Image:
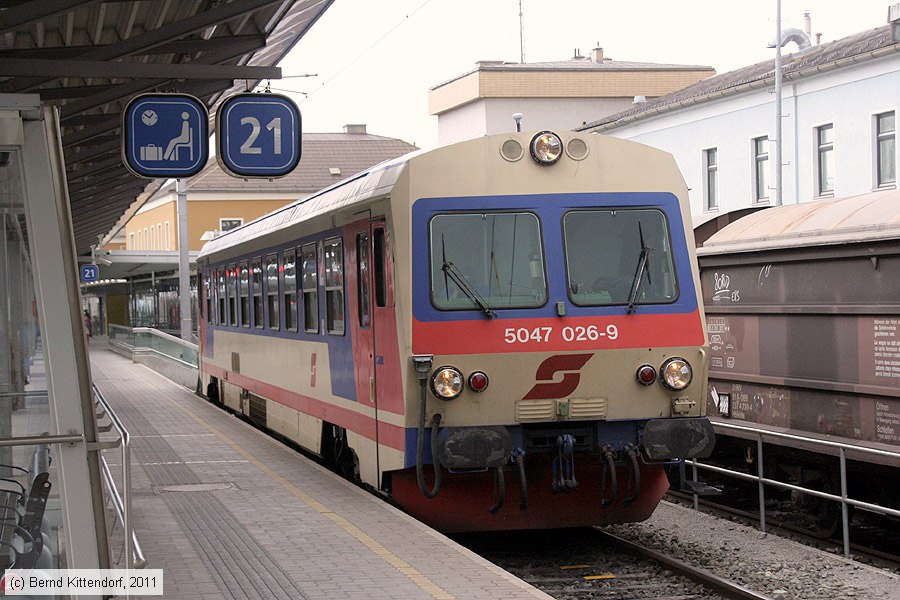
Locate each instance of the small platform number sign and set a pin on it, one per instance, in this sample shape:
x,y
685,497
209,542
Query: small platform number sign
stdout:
x,y
165,135
89,273
258,135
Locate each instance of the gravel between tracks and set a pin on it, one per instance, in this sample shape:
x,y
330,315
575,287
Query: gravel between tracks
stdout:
x,y
766,563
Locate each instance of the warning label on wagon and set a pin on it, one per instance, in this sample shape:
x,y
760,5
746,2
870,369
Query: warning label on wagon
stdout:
x,y
887,348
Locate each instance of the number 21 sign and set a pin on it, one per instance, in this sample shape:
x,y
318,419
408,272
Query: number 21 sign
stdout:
x,y
258,135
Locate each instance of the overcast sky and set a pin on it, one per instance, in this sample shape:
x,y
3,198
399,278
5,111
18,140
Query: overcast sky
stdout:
x,y
376,60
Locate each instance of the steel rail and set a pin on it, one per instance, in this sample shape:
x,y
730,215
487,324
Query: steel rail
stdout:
x,y
698,574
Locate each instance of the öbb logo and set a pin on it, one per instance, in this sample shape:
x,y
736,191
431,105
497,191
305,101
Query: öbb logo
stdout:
x,y
568,365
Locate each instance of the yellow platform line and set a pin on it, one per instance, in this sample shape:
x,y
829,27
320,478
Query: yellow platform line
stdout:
x,y
365,539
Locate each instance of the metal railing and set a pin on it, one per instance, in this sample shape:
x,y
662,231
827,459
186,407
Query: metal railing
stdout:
x,y
845,501
143,340
121,502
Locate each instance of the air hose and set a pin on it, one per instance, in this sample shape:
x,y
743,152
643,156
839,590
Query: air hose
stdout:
x,y
420,448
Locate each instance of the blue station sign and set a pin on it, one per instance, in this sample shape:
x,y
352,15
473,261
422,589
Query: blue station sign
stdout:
x,y
258,135
89,273
165,135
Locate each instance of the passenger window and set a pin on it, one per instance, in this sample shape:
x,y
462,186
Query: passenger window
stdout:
x,y
232,295
244,283
290,290
334,286
222,318
272,290
207,293
256,280
362,277
379,268
310,284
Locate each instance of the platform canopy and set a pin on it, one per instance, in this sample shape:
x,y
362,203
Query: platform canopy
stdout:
x,y
90,57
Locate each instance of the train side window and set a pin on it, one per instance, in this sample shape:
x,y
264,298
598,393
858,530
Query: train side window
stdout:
x,y
257,291
379,268
232,295
362,278
272,290
207,293
222,297
334,286
244,284
290,290
310,284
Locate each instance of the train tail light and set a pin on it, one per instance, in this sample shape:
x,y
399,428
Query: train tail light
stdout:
x,y
478,381
646,375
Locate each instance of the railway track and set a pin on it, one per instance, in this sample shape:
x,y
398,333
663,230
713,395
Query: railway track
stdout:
x,y
590,563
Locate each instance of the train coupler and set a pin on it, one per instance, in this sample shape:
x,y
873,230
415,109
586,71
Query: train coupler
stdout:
x,y
607,465
633,485
563,466
518,456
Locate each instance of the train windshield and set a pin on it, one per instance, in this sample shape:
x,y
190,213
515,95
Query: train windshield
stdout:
x,y
487,261
619,257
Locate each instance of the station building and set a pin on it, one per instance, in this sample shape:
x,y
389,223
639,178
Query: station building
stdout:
x,y
839,133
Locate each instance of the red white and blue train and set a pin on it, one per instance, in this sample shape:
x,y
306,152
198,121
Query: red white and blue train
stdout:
x,y
505,333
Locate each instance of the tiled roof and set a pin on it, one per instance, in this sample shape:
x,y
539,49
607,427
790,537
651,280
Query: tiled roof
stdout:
x,y
321,152
818,58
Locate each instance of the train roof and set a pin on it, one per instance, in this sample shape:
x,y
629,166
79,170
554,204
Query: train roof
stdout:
x,y
374,182
864,218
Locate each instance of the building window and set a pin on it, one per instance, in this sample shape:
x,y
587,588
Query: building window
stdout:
x,y
761,169
257,290
229,224
272,290
140,240
245,294
310,283
290,290
886,153
334,286
159,245
146,243
152,238
711,180
825,159
168,243
131,245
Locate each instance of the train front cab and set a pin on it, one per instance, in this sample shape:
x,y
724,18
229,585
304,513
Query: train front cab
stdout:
x,y
559,348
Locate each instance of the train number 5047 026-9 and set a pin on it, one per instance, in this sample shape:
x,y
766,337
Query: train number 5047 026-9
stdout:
x,y
578,333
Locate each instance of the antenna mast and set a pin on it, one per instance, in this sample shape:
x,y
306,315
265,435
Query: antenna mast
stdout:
x,y
521,33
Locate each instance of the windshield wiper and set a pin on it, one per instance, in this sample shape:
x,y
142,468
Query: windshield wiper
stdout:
x,y
643,262
450,270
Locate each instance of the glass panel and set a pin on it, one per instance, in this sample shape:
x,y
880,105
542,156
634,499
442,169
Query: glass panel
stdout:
x,y
245,294
887,158
232,295
499,256
257,288
362,278
24,404
290,290
380,269
310,289
334,286
603,250
221,317
272,291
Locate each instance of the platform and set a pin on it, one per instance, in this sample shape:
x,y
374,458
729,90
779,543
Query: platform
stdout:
x,y
228,512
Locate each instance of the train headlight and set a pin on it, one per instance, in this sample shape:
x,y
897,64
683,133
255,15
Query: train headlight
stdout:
x,y
676,374
546,148
447,383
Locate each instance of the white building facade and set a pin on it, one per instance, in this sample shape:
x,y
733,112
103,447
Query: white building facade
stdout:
x,y
839,107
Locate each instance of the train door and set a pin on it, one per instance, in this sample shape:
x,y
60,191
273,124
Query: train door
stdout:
x,y
378,369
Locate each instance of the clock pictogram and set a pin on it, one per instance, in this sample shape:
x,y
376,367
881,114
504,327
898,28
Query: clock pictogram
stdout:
x,y
149,117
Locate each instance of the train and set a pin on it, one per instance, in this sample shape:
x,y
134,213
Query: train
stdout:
x,y
504,333
803,313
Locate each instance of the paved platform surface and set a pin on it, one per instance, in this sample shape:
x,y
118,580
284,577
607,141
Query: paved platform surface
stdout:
x,y
228,512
